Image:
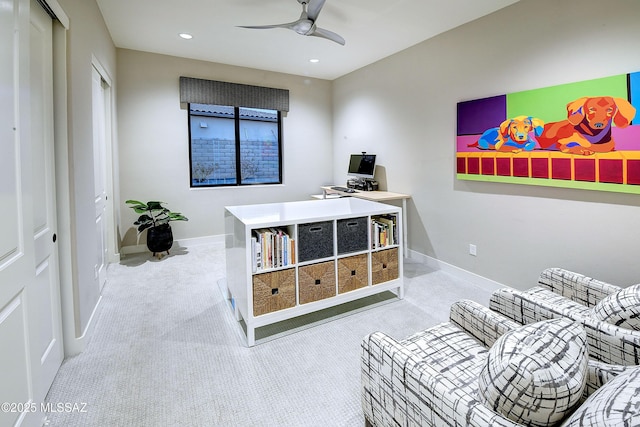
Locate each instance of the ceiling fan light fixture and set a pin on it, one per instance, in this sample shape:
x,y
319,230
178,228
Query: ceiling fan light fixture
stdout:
x,y
303,27
186,36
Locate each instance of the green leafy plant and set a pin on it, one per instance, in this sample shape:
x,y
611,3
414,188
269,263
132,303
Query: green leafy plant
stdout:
x,y
153,214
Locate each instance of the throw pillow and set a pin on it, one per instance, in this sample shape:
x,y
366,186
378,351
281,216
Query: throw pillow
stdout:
x,y
621,309
535,375
617,403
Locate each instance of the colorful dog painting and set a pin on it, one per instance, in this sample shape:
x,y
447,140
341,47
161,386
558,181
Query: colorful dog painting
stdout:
x,y
581,135
512,135
587,129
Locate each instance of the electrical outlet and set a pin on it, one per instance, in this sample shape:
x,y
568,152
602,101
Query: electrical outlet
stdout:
x,y
472,250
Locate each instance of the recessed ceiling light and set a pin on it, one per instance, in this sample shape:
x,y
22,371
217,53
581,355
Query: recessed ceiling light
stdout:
x,y
314,60
186,36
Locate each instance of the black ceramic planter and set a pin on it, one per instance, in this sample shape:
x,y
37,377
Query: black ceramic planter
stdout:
x,y
160,238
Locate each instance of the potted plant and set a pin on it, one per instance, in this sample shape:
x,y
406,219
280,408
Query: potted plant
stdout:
x,y
155,219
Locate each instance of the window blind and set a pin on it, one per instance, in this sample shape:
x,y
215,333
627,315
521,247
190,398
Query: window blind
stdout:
x,y
201,91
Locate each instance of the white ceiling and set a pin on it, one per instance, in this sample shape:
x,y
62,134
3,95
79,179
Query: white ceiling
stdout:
x,y
373,29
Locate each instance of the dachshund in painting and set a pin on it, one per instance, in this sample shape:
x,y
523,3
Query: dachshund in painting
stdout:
x,y
512,135
587,129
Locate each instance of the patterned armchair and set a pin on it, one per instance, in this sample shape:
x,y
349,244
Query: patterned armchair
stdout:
x,y
563,293
432,377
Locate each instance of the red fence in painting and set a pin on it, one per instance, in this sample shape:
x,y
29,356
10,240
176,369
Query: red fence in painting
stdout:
x,y
618,167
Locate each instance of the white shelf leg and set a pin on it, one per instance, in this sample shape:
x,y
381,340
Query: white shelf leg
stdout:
x,y
404,228
251,336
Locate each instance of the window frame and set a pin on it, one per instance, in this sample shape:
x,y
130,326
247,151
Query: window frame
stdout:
x,y
238,155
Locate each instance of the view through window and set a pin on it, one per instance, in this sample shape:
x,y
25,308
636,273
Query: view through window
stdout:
x,y
234,145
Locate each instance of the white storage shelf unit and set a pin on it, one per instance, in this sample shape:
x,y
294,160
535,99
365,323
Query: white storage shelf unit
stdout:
x,y
337,265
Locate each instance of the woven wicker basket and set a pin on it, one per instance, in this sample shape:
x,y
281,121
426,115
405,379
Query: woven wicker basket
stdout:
x,y
274,291
384,266
316,282
352,273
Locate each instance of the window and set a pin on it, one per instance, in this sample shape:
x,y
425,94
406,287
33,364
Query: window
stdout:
x,y
234,145
235,132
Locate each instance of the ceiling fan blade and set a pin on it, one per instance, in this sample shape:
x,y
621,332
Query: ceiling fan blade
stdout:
x,y
330,35
313,8
260,27
288,25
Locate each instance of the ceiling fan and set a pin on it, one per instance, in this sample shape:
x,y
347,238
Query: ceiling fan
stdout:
x,y
306,24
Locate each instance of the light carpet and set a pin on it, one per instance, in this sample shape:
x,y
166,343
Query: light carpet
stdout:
x,y
167,351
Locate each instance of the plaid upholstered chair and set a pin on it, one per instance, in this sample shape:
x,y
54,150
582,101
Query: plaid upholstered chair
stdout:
x,y
454,374
610,314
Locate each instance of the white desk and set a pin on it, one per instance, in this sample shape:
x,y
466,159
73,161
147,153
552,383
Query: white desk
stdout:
x,y
377,196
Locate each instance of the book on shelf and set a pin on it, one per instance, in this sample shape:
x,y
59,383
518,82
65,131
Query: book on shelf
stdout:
x,y
384,231
272,248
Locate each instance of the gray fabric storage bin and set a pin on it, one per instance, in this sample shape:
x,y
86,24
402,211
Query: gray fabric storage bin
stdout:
x,y
315,240
352,235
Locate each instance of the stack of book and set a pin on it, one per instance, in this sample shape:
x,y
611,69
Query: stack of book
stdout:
x,y
272,248
384,231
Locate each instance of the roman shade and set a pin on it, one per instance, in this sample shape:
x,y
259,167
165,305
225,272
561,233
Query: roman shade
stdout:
x,y
201,91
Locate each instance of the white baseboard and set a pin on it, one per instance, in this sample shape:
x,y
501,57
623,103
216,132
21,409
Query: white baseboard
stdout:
x,y
480,281
215,241
75,345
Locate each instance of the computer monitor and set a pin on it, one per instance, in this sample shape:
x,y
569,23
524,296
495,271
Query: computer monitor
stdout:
x,y
362,165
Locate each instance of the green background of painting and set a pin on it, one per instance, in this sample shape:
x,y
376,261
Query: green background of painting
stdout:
x,y
560,183
550,103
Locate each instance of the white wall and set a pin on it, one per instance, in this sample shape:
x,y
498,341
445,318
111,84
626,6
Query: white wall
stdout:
x,y
87,40
154,141
403,108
